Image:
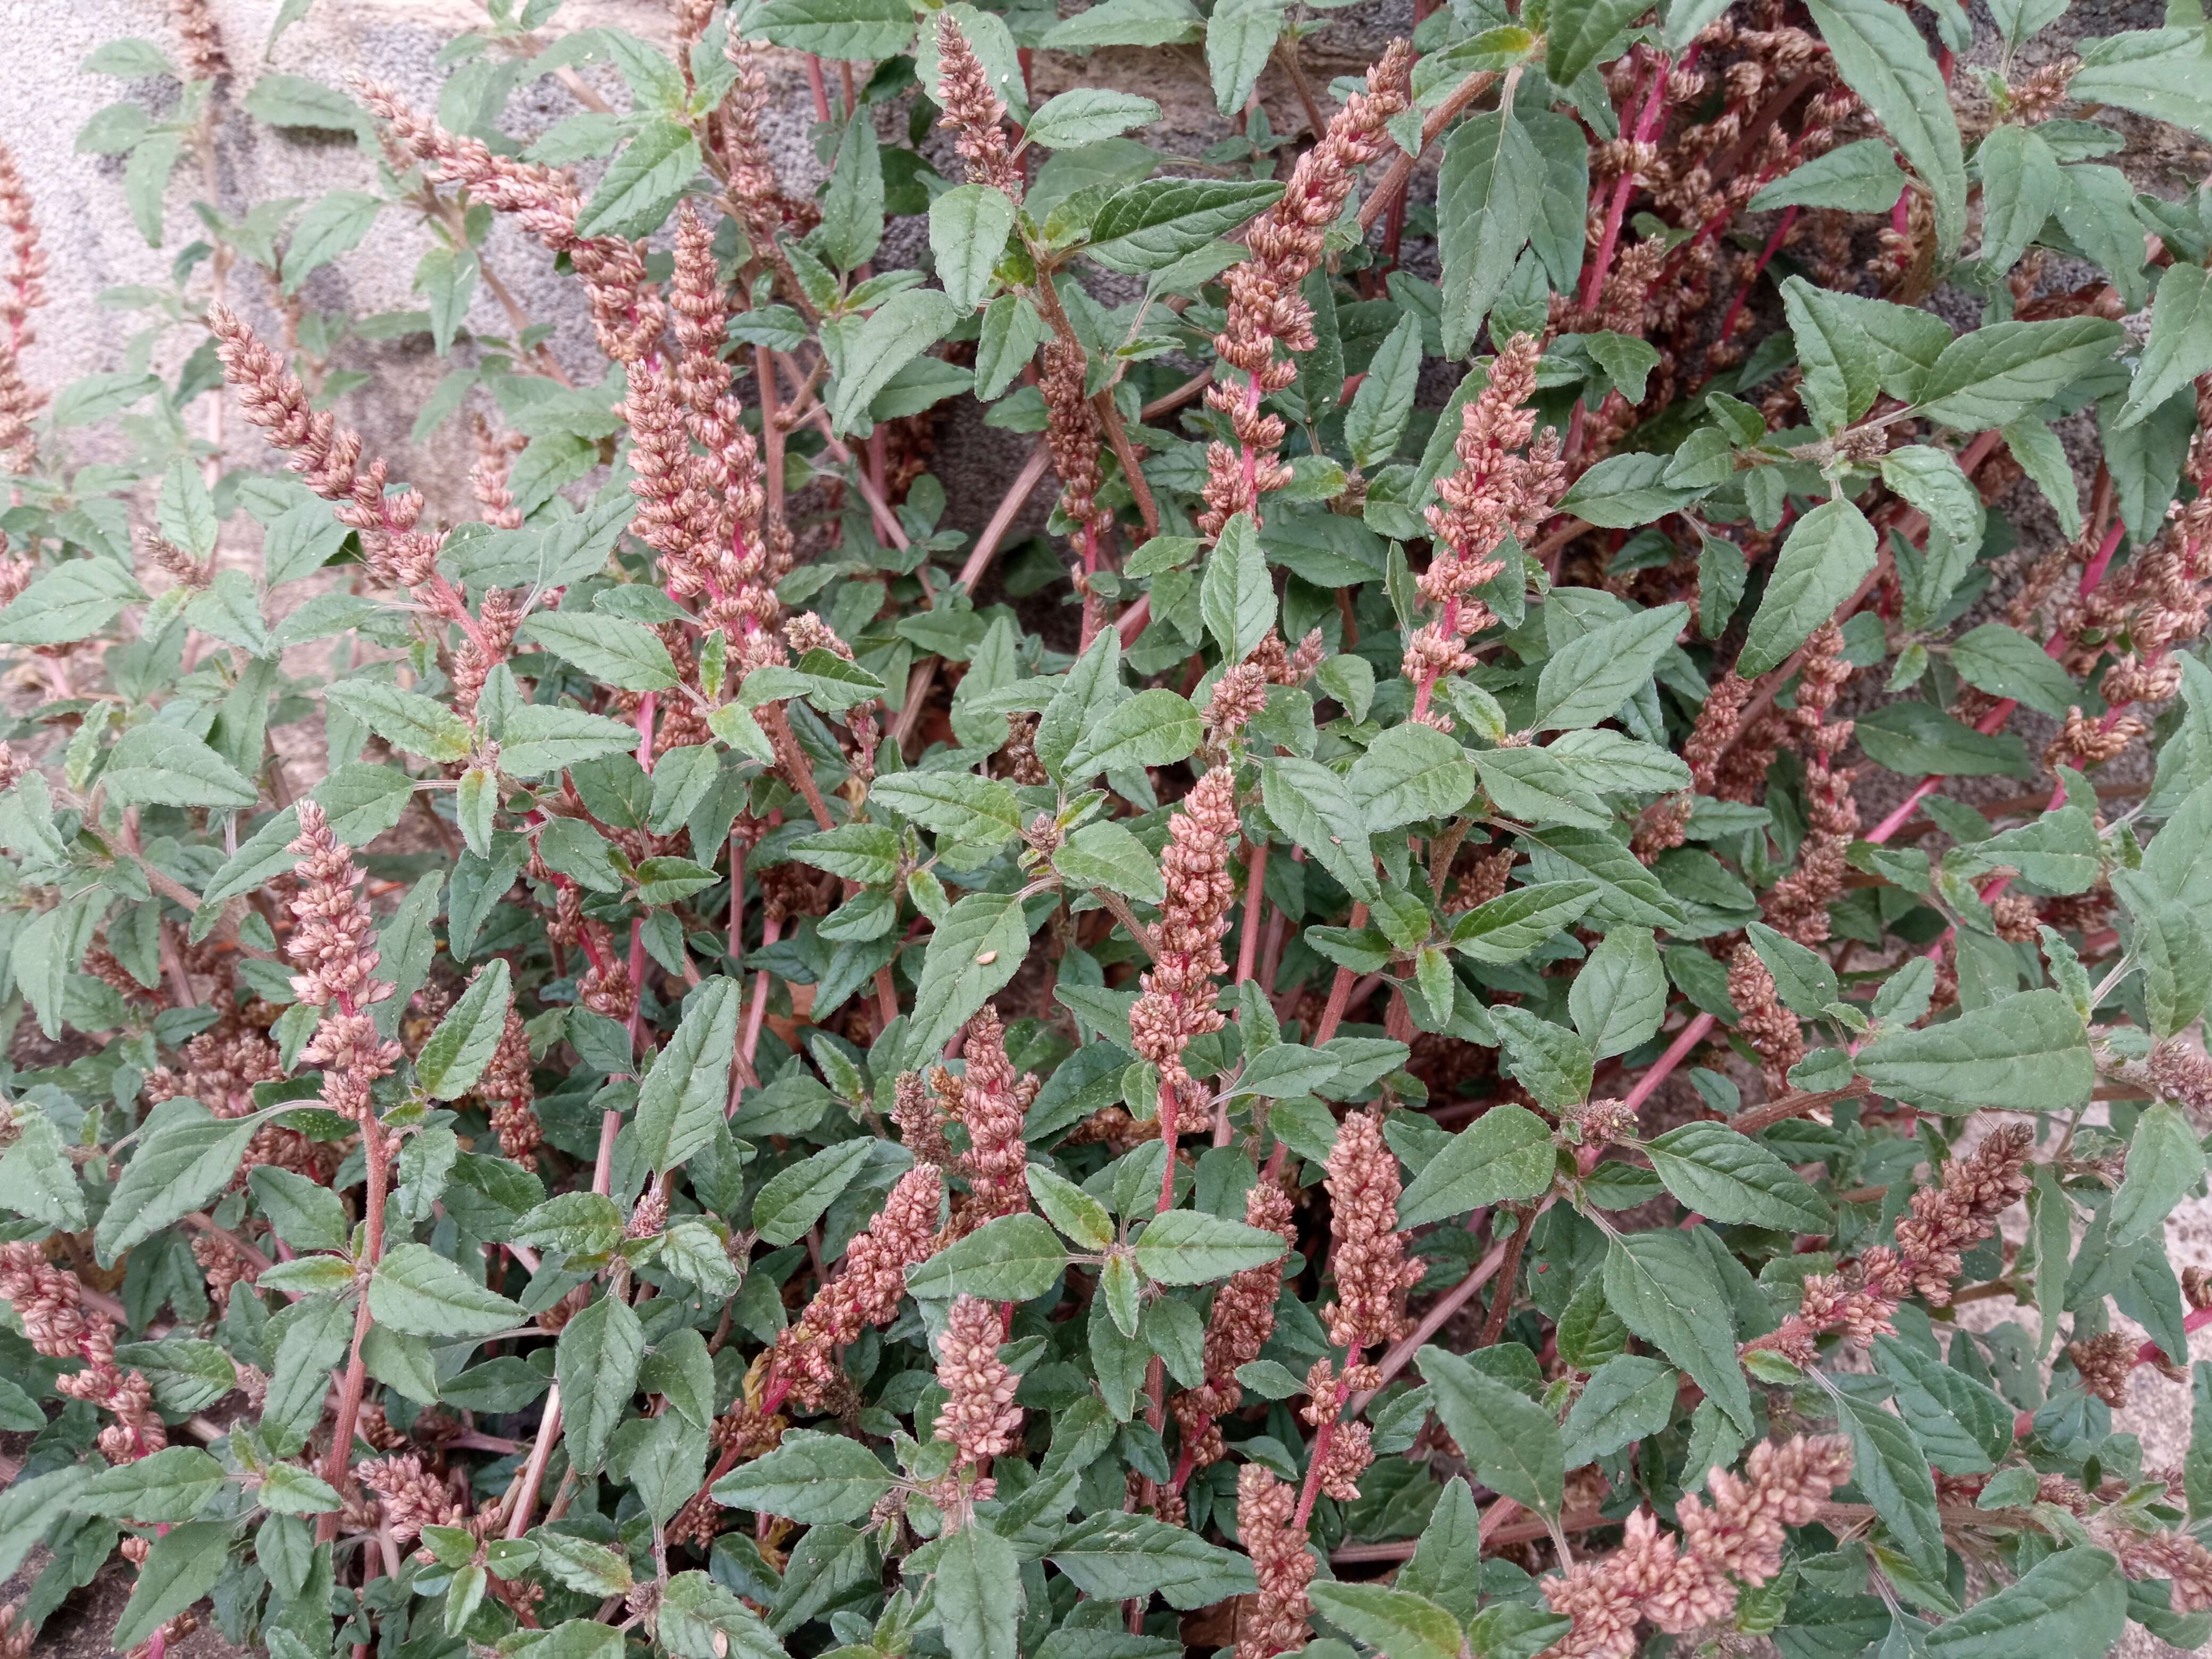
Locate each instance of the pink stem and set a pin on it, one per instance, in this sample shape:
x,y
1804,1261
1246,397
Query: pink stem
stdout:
x,y
647,707
1677,1052
1773,246
1594,280
770,930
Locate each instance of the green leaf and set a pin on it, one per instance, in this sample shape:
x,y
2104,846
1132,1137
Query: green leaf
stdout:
x,y
185,511
178,1168
417,1292
70,602
2154,72
163,765
1147,227
2005,663
852,226
1508,927
1965,1428
596,1363
1126,23
846,30
293,101
2001,373
1240,37
1411,772
288,1489
1510,1441
866,853
1235,596
620,653
967,230
1538,786
1313,807
1190,1247
1624,492
181,1567
1487,203
1803,978
793,1199
977,1581
1069,1208
174,1484
307,1215
1104,854
1858,177
2025,1054
1660,1284
1012,1259
1888,1466
1113,1557
1912,736
1828,553
1725,1176
333,226
2164,1164
957,803
1589,680
37,1180
642,184
701,1619
456,1054
2020,189
1580,34
1086,115
1628,1398
895,333
2180,345
681,1099
1091,689
972,955
1505,1154
1391,1621
1383,406
1155,727
1838,363
592,1569
1882,57
410,721
2074,1603
1620,997
363,801
1552,1062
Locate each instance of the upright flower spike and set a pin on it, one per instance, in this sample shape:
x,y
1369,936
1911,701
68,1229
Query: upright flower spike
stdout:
x,y
1264,306
979,1415
1071,433
1367,1253
330,944
1242,1321
974,111
1693,1585
1177,1003
1798,906
23,289
327,456
989,1100
1495,492
1275,1620
866,1288
626,311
